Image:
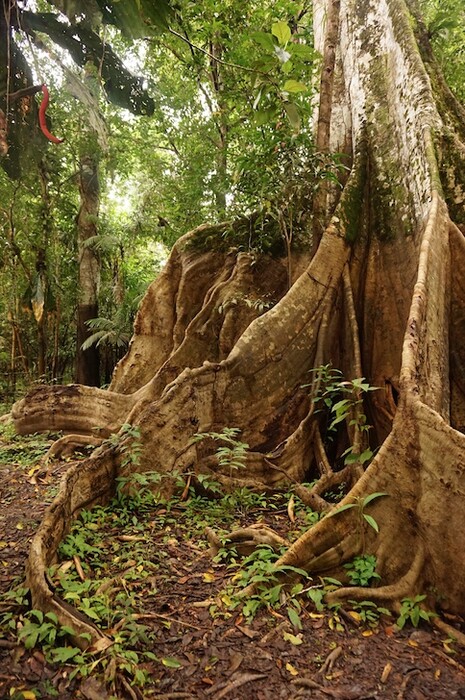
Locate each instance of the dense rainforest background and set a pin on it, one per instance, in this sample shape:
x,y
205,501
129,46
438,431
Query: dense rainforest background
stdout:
x,y
231,295
222,124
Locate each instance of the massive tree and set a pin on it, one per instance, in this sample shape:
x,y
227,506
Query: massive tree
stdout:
x,y
375,292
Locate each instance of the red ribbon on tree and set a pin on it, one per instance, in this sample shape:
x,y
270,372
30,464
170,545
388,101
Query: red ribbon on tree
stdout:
x,y
42,119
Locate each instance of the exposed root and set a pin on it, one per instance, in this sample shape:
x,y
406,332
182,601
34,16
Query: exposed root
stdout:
x,y
245,540
403,588
68,445
449,630
83,485
314,497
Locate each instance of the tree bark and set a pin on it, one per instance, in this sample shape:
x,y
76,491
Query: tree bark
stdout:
x,y
87,361
379,298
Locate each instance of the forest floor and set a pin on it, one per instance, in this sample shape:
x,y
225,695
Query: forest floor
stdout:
x,y
142,570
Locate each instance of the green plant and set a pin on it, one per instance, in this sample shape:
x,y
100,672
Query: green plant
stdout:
x,y
368,612
411,611
232,453
75,544
362,570
260,569
127,443
45,629
360,504
343,401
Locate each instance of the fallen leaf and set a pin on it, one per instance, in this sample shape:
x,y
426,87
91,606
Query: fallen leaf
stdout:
x,y
19,526
251,634
294,639
170,662
355,615
437,674
208,577
367,633
292,670
386,671
235,661
92,689
100,645
291,509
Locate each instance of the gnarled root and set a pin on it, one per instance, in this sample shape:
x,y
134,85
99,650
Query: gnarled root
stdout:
x,y
83,485
68,445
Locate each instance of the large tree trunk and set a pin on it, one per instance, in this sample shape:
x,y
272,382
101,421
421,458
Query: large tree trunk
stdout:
x,y
379,298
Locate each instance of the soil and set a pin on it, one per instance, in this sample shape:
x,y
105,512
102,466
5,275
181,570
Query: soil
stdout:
x,y
202,650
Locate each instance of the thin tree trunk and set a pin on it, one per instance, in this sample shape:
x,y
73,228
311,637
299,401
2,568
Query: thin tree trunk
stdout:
x,y
87,361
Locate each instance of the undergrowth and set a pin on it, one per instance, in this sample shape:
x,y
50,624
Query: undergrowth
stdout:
x,y
119,565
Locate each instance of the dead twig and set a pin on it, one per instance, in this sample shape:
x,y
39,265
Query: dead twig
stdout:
x,y
330,660
239,682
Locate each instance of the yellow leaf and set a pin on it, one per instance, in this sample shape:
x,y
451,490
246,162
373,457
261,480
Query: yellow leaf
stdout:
x,y
386,671
208,577
19,526
412,643
3,544
292,670
316,616
437,674
367,633
294,639
28,695
355,615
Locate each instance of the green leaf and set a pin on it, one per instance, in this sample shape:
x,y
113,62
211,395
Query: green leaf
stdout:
x,y
294,618
170,662
372,496
302,51
371,521
346,506
294,86
64,654
282,32
264,39
293,115
288,637
365,456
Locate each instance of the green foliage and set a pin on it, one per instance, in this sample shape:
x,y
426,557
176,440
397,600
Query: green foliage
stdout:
x,y
342,400
362,570
411,611
25,450
368,612
445,22
232,454
360,504
260,569
44,629
127,443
